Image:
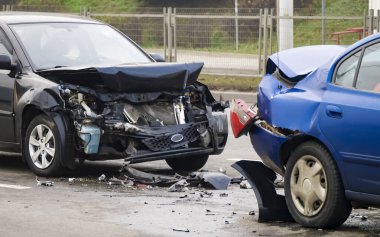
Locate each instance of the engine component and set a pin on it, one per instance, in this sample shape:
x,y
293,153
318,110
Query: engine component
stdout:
x,y
154,114
205,137
179,111
127,127
86,108
90,136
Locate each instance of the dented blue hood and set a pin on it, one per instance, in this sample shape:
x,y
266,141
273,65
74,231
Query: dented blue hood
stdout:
x,y
298,62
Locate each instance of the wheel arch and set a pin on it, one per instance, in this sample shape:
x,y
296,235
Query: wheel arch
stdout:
x,y
291,144
64,127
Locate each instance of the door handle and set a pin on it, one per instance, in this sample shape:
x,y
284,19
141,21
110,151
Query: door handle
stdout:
x,y
333,111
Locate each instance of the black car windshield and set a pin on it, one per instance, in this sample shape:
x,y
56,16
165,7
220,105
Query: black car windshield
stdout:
x,y
55,45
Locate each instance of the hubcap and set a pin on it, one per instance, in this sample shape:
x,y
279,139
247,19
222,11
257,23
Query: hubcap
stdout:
x,y
42,146
308,185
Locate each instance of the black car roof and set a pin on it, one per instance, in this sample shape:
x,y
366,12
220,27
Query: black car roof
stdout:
x,y
19,18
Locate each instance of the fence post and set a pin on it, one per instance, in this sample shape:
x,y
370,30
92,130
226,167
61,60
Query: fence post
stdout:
x,y
323,22
174,22
236,25
170,37
370,23
271,30
260,32
364,25
265,46
165,34
377,25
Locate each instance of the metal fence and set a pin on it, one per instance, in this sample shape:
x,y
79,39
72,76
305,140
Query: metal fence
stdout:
x,y
228,43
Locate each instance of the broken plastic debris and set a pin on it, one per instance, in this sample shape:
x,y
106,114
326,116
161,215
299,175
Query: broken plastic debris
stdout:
x,y
147,178
363,218
236,180
279,182
180,186
102,178
216,180
46,183
125,182
71,180
245,185
182,230
222,170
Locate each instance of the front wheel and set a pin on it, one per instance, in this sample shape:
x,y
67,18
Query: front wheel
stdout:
x,y
314,190
189,163
42,147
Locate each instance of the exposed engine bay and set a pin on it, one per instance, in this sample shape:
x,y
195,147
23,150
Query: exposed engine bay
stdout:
x,y
144,126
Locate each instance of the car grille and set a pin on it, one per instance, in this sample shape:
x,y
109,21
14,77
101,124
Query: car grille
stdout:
x,y
164,142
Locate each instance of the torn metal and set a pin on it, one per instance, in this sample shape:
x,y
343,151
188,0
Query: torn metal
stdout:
x,y
135,112
178,183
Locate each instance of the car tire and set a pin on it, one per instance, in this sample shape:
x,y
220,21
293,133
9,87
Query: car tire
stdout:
x,y
314,191
42,147
189,163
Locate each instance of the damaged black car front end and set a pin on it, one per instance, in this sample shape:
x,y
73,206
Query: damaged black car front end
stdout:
x,y
141,112
80,98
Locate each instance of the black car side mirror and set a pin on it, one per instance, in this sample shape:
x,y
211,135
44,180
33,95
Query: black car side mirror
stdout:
x,y
5,62
157,57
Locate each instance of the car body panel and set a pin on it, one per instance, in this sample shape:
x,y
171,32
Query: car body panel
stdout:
x,y
343,119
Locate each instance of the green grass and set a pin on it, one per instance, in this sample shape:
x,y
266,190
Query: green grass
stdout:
x,y
96,5
215,82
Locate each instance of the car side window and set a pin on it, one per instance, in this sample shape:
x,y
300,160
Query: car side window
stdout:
x,y
345,74
369,70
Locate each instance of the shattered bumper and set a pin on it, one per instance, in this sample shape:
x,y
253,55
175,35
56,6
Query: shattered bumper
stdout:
x,y
267,145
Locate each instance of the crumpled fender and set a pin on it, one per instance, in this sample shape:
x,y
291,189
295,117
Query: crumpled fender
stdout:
x,y
44,100
66,137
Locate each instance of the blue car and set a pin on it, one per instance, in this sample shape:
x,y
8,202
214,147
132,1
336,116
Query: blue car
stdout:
x,y
317,123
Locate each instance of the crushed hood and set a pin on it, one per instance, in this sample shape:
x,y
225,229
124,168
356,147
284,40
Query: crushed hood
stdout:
x,y
152,77
296,63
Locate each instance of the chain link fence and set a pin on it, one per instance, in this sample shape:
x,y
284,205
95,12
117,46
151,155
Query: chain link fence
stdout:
x,y
228,42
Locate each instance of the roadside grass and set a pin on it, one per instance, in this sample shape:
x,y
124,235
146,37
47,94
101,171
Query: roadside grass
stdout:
x,y
230,83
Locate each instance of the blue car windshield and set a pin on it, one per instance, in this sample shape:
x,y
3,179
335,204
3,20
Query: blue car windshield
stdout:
x,y
54,45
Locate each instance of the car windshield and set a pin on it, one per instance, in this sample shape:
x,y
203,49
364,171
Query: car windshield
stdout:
x,y
55,45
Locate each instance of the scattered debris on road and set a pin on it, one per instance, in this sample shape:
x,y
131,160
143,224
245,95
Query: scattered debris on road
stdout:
x,y
245,185
181,230
102,178
47,183
216,180
360,217
180,186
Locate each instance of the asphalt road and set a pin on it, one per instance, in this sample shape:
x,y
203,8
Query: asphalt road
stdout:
x,y
91,208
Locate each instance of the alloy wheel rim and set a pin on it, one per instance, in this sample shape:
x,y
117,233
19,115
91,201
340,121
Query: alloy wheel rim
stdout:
x,y
42,146
308,185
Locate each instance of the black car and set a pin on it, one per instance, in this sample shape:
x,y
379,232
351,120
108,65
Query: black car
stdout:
x,y
74,89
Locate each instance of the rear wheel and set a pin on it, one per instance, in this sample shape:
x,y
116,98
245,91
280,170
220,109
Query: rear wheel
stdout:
x,y
42,147
189,163
314,190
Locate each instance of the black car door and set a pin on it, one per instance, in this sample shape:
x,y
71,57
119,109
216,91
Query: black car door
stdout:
x,y
7,83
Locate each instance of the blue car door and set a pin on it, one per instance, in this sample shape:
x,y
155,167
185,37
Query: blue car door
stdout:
x,y
350,118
